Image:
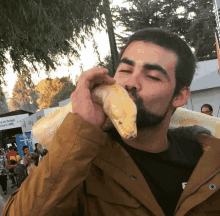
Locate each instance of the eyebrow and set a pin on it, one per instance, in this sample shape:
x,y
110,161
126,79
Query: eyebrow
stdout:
x,y
127,61
148,66
158,68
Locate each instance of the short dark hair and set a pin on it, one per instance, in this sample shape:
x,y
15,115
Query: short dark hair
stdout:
x,y
186,60
207,105
12,162
10,148
24,147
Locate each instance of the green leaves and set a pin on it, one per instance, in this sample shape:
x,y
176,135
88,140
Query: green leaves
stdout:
x,y
193,20
38,31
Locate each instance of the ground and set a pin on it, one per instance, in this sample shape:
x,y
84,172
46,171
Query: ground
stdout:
x,y
3,198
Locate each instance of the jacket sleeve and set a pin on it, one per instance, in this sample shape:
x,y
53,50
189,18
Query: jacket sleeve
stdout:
x,y
54,187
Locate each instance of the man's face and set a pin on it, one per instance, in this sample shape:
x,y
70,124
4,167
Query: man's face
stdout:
x,y
147,72
206,111
26,151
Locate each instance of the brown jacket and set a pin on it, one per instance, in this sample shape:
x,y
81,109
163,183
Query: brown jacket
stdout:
x,y
86,173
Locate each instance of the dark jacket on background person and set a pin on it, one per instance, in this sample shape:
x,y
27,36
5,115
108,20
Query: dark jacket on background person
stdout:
x,y
87,173
20,172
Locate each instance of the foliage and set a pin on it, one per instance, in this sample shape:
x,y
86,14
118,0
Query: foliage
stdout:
x,y
106,63
64,93
36,31
192,20
47,89
52,91
3,102
23,97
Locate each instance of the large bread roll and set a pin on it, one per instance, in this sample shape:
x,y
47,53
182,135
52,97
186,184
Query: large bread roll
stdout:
x,y
116,102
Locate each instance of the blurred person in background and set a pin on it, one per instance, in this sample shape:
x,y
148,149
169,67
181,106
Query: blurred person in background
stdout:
x,y
18,157
29,159
207,109
11,155
20,171
36,151
3,171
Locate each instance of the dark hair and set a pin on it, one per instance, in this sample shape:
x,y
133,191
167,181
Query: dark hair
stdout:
x,y
10,148
24,147
12,162
186,61
207,105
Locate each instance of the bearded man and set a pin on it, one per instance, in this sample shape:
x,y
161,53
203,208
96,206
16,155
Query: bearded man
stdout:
x,y
91,170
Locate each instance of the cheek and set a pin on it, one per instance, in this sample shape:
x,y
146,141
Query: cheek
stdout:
x,y
120,79
158,101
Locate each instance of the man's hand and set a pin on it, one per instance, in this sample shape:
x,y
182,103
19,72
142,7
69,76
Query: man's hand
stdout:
x,y
82,103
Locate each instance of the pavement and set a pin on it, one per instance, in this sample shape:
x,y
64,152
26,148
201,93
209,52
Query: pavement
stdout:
x,y
3,198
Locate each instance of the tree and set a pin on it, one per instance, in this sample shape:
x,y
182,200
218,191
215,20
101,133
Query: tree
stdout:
x,y
38,31
64,93
111,35
23,97
194,21
201,31
47,89
107,63
3,102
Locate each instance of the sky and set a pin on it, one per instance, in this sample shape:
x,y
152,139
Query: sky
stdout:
x,y
88,60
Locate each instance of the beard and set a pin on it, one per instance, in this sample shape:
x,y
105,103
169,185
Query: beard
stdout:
x,y
145,118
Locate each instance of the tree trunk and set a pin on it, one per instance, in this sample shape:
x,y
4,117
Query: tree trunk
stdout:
x,y
114,52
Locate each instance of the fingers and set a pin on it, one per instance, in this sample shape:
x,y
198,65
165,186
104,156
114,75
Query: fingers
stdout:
x,y
109,80
93,77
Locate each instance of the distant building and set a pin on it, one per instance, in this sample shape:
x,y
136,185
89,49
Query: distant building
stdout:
x,y
205,87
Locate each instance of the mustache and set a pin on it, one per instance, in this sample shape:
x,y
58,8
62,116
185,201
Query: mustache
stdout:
x,y
136,96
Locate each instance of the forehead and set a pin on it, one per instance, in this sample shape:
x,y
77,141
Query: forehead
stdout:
x,y
205,108
152,53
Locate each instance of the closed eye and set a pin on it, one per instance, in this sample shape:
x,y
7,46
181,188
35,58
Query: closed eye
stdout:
x,y
126,71
154,78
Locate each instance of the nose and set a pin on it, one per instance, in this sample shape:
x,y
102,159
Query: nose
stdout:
x,y
136,87
133,84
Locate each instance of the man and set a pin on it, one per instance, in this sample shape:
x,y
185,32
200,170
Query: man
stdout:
x,y
3,171
18,157
26,158
19,171
207,109
11,155
29,159
91,172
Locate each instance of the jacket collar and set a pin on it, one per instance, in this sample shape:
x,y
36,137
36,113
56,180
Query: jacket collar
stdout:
x,y
207,167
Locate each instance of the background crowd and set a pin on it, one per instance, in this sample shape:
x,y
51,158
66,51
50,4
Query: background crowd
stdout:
x,y
17,168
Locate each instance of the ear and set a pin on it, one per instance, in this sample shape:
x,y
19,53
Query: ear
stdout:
x,y
182,98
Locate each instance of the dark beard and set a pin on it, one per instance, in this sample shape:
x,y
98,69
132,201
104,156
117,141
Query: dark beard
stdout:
x,y
146,119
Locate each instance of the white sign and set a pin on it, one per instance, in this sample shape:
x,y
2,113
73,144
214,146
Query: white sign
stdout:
x,y
11,121
28,122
